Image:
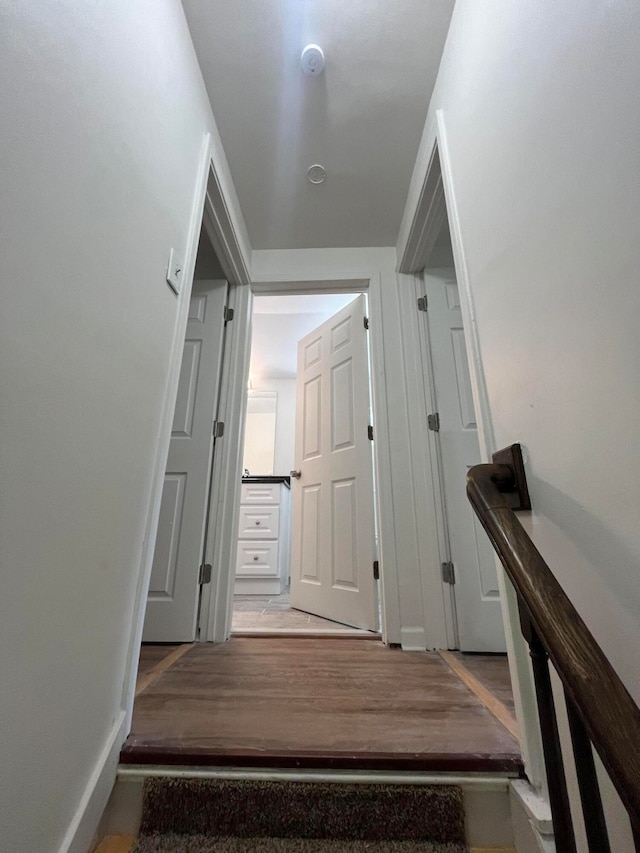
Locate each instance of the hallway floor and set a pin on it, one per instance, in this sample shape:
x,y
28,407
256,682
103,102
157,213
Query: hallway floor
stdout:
x,y
307,702
274,614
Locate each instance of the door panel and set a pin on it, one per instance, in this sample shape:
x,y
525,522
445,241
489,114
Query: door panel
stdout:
x,y
332,514
479,617
173,591
165,555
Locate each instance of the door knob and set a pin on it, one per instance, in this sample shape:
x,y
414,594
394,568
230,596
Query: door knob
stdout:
x,y
296,474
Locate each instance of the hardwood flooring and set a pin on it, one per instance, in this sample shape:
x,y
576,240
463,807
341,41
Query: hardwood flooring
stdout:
x,y
316,703
493,672
486,696
154,667
152,654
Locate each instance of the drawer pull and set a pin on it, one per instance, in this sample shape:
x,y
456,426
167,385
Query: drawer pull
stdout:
x,y
256,558
257,522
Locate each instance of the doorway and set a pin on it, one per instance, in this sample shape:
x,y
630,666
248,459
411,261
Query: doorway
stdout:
x,y
178,570
306,534
468,561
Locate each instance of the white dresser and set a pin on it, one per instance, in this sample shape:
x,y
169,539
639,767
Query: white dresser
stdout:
x,y
262,563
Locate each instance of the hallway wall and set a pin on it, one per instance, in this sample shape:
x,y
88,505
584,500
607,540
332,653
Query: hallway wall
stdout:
x,y
541,110
285,420
104,114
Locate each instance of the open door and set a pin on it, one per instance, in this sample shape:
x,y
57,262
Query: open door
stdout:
x,y
333,529
173,592
479,617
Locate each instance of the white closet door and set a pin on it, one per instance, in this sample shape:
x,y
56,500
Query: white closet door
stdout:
x,y
477,598
173,592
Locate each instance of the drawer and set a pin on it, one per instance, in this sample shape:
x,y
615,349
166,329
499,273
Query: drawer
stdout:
x,y
267,494
259,522
257,559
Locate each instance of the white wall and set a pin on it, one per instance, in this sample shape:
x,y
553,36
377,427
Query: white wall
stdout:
x,y
285,421
274,342
542,116
104,115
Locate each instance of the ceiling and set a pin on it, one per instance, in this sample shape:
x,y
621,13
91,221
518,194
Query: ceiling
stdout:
x,y
362,119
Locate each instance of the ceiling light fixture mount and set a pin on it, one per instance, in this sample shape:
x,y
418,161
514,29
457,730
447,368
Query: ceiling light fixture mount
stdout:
x,y
316,174
312,60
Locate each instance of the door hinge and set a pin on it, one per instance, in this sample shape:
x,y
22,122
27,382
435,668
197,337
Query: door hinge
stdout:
x,y
423,303
218,429
376,570
228,314
433,422
370,432
205,573
366,322
448,573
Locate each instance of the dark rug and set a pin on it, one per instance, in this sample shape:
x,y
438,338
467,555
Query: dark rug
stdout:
x,y
301,810
202,844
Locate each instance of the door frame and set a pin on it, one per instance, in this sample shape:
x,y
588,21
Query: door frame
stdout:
x,y
216,614
215,207
431,199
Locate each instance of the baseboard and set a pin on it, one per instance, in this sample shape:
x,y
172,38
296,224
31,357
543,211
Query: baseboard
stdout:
x,y
413,639
531,819
81,831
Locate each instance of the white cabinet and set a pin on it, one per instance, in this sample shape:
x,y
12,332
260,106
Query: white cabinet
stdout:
x,y
262,563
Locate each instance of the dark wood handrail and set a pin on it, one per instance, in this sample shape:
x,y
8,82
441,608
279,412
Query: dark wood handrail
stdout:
x,y
608,713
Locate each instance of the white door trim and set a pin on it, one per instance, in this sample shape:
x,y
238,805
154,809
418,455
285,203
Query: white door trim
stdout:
x,y
224,217
220,599
431,197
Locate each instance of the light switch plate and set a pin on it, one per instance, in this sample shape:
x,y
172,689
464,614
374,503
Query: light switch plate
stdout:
x,y
174,272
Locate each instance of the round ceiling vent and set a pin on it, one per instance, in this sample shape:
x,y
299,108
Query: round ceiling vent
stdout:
x,y
312,60
316,174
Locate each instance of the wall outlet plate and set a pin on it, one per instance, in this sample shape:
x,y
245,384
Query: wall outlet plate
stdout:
x,y
175,269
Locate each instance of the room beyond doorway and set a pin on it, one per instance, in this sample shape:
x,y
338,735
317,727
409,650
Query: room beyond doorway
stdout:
x,y
307,535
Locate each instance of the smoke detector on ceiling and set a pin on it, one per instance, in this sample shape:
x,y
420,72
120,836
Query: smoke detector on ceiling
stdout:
x,y
312,60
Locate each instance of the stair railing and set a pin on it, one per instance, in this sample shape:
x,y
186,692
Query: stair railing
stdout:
x,y
600,710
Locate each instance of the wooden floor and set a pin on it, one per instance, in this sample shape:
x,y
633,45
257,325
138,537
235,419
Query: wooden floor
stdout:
x,y
151,654
299,702
493,672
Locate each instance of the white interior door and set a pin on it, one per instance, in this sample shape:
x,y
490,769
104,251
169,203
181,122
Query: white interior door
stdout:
x,y
332,502
173,592
477,598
